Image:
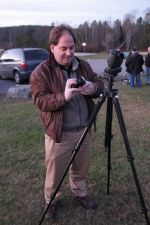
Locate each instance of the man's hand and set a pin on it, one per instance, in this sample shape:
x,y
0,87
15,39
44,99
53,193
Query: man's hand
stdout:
x,y
88,88
69,91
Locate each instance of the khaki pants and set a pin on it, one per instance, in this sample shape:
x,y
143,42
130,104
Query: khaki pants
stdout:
x,y
57,156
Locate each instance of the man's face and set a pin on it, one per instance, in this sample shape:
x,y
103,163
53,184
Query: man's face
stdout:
x,y
64,50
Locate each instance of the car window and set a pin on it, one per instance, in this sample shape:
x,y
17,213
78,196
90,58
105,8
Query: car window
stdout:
x,y
6,57
36,55
12,55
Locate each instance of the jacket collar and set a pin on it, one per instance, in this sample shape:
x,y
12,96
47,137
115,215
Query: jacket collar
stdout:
x,y
73,67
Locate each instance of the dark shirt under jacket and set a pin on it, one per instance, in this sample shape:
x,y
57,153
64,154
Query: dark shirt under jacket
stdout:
x,y
147,60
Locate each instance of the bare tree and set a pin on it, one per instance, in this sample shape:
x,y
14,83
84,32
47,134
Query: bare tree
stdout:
x,y
147,15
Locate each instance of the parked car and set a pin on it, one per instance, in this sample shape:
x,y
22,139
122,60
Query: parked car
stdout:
x,y
18,63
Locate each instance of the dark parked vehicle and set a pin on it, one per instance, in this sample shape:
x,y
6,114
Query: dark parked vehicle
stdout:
x,y
18,63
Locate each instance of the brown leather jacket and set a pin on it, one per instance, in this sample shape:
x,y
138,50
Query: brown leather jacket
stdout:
x,y
47,88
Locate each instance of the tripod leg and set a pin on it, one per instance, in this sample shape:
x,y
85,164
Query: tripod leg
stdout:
x,y
108,137
75,150
130,157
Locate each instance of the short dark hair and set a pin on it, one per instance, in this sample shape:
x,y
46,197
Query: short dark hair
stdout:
x,y
134,49
57,32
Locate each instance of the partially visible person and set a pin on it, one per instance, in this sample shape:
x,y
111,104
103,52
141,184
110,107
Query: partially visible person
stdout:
x,y
65,112
147,65
134,65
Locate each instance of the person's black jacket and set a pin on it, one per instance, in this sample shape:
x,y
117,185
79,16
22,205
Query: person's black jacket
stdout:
x,y
134,63
147,60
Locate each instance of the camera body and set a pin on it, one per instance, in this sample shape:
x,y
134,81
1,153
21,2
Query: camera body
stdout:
x,y
79,82
114,60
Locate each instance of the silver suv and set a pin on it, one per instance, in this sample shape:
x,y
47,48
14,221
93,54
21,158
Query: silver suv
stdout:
x,y
18,63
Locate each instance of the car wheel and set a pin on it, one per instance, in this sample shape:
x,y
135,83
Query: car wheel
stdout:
x,y
17,77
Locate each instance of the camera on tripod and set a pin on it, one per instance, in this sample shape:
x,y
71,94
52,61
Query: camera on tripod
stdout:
x,y
114,60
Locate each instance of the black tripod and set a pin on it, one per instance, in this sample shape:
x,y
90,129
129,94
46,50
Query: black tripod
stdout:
x,y
111,95
112,99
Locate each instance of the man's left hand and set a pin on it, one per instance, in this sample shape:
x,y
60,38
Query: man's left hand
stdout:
x,y
88,88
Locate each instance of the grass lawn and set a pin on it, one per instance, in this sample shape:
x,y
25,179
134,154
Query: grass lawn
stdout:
x,y
22,170
101,55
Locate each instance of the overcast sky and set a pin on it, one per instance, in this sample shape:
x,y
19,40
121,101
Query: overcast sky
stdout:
x,y
72,12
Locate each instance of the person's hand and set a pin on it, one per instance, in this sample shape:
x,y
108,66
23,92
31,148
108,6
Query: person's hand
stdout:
x,y
88,88
69,91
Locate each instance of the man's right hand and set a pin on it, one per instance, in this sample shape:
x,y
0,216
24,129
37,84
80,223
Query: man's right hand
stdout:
x,y
69,91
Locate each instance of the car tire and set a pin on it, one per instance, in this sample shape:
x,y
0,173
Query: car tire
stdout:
x,y
17,77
